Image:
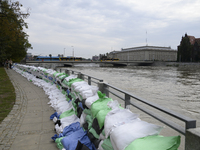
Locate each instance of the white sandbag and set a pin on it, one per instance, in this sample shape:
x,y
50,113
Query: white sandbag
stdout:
x,y
113,104
90,100
63,103
90,92
123,135
62,109
82,118
86,94
70,77
116,117
100,148
82,87
76,85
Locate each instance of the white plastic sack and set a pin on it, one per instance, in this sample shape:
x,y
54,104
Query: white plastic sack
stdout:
x,y
90,100
82,119
116,117
123,135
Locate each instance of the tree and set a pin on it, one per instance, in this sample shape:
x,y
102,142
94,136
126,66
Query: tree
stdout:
x,y
13,40
185,50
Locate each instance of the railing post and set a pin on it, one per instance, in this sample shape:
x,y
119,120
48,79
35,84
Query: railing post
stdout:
x,y
192,138
127,101
67,72
81,76
89,80
190,124
103,88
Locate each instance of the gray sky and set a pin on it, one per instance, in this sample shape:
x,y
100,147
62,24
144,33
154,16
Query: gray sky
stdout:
x,y
96,27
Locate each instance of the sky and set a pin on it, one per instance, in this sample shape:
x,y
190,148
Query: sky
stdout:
x,y
85,28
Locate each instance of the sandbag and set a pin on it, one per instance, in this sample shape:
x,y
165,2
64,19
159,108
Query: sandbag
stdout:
x,y
58,143
107,145
155,142
90,100
70,142
116,117
67,113
98,105
123,135
101,116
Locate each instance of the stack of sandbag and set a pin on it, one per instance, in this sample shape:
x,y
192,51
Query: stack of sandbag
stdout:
x,y
85,119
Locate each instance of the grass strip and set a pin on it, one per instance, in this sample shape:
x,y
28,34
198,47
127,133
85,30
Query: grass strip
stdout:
x,y
7,94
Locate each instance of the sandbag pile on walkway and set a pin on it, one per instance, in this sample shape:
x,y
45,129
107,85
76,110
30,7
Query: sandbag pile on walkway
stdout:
x,y
85,119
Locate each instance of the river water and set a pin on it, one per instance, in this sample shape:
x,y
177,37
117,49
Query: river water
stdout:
x,y
175,88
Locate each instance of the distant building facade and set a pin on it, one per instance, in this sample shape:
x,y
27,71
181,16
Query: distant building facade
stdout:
x,y
145,53
29,56
95,58
189,49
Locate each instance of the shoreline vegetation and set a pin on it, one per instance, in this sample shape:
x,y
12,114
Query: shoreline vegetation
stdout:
x,y
7,94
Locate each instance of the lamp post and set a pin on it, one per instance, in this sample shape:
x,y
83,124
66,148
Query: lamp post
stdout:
x,y
64,53
73,52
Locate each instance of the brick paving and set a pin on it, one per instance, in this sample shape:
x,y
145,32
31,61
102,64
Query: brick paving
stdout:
x,y
28,126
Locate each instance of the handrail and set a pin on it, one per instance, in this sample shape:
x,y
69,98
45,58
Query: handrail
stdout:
x,y
189,123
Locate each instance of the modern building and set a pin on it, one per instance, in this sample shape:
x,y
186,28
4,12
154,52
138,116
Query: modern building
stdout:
x,y
145,53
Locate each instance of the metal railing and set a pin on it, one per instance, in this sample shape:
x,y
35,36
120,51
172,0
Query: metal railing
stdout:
x,y
108,88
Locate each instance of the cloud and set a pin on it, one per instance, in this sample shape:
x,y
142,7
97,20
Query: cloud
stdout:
x,y
95,27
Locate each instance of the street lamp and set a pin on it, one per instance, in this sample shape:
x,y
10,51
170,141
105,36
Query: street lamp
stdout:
x,y
64,52
73,52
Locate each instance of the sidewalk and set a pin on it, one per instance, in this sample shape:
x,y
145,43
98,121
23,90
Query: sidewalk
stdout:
x,y
28,126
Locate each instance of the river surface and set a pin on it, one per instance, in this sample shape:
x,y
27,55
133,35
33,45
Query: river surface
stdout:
x,y
175,88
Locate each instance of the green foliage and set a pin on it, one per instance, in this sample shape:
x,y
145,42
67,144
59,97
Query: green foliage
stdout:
x,y
13,40
185,50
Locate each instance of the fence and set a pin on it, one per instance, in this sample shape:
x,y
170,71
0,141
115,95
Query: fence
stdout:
x,y
190,124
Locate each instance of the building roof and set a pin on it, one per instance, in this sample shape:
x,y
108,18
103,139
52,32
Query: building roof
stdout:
x,y
147,48
192,39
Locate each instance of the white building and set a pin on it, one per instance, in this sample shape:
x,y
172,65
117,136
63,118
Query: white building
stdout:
x,y
145,53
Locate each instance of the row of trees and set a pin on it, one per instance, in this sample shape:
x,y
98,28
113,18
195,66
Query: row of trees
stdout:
x,y
13,40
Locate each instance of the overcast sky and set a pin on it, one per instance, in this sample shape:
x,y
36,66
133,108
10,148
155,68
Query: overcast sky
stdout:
x,y
93,27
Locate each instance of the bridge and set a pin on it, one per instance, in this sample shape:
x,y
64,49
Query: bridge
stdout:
x,y
54,64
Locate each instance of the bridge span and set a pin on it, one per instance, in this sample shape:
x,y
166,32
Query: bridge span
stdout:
x,y
55,64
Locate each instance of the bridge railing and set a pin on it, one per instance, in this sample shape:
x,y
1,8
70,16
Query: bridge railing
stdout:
x,y
130,99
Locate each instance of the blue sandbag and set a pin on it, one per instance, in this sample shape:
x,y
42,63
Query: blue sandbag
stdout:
x,y
70,142
70,129
54,115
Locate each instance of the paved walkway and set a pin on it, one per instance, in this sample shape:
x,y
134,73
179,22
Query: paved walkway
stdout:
x,y
28,126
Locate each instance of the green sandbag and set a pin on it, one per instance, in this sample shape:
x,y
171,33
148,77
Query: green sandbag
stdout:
x,y
63,76
60,75
67,113
98,105
89,120
59,144
155,142
71,81
74,105
54,74
107,145
87,111
101,115
65,83
94,133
